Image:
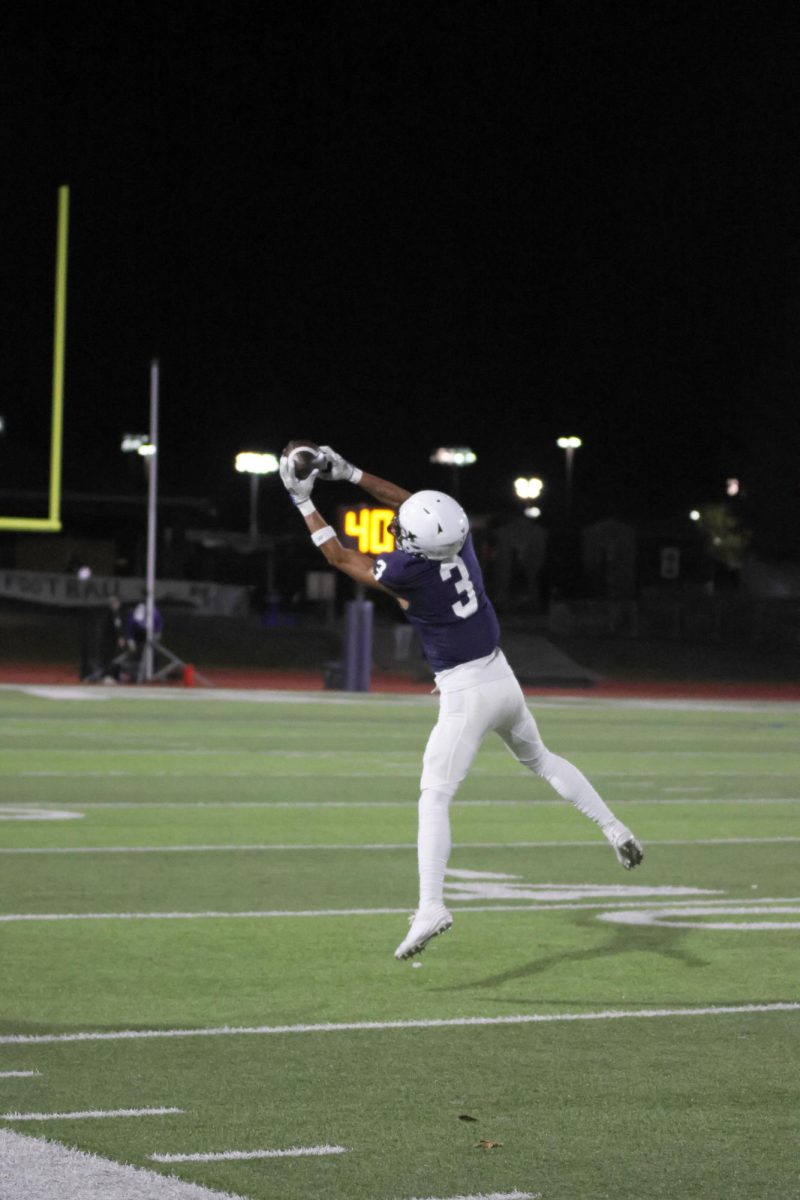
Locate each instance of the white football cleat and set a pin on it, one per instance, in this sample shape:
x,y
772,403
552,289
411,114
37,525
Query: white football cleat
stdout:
x,y
426,923
628,850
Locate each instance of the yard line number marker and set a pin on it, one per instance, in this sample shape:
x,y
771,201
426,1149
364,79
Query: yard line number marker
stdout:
x,y
232,1155
721,1010
35,1169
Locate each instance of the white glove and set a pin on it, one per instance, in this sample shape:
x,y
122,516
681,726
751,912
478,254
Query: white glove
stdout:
x,y
338,469
299,489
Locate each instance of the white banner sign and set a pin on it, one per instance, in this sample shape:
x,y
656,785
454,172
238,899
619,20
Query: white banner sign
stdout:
x,y
68,590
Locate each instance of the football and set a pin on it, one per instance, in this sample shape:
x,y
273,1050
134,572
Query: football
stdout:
x,y
304,456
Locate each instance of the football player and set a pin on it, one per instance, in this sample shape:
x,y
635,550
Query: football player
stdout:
x,y
434,574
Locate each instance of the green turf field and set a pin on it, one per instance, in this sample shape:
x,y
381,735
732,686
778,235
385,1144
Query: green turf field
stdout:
x,y
225,883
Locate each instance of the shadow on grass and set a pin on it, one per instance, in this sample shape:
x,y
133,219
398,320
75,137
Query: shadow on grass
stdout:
x,y
621,940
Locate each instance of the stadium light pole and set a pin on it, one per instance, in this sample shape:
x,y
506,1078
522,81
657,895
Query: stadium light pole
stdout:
x,y
454,457
569,445
146,446
150,452
249,462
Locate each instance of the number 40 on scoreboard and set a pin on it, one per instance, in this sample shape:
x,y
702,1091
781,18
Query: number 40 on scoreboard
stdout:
x,y
366,529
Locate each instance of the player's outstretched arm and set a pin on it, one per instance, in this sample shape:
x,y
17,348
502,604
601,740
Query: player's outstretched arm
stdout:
x,y
338,469
358,566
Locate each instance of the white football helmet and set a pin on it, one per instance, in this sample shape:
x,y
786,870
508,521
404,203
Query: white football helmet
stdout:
x,y
430,524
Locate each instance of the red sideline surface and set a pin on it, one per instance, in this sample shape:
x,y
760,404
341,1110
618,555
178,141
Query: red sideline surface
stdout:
x,y
312,681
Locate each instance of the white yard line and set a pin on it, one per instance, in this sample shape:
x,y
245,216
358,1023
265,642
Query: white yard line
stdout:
x,y
639,895
536,700
90,1113
19,1074
81,806
35,812
233,1155
374,1026
488,1196
238,847
457,907
35,1169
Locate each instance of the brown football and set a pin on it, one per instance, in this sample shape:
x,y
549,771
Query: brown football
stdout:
x,y
304,454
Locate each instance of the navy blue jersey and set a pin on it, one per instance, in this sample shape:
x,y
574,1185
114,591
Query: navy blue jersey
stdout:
x,y
447,603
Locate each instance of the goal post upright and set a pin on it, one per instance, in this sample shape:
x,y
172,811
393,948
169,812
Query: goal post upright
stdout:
x,y
59,343
52,522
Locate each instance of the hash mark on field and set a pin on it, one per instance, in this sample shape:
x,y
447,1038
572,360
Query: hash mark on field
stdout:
x,y
231,1155
79,1116
369,1026
19,1074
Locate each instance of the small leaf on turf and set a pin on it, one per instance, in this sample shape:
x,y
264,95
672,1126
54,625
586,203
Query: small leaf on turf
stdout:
x,y
486,1144
466,1117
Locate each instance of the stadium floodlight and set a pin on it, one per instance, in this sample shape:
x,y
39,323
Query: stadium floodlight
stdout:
x,y
732,487
569,445
533,512
529,489
131,442
454,456
694,515
249,462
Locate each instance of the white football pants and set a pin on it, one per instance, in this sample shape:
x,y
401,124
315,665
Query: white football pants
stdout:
x,y
465,718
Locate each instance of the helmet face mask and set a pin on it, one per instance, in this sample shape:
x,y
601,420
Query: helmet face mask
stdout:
x,y
431,525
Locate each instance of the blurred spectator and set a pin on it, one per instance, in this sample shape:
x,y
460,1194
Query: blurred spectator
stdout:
x,y
107,645
136,637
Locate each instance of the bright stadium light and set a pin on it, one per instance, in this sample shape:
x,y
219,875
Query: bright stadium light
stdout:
x,y
249,462
528,489
732,487
132,442
454,456
694,515
533,512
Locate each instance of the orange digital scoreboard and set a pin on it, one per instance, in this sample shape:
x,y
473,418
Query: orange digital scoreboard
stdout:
x,y
366,529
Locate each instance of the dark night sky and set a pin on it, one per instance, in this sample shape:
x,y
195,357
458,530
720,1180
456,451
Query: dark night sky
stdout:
x,y
391,226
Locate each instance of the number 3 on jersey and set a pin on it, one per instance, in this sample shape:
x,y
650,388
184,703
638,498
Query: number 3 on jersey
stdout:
x,y
469,605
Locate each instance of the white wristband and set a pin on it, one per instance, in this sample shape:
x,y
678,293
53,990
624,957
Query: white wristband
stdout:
x,y
306,507
320,536
356,476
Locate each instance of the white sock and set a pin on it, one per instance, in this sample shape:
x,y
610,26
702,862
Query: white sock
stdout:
x,y
573,785
525,743
433,845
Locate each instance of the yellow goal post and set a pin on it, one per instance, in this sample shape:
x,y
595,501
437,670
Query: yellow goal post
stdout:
x,y
52,522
